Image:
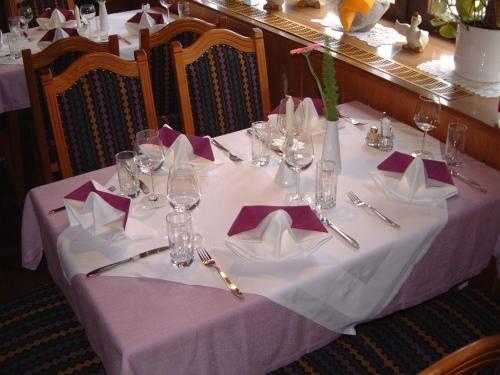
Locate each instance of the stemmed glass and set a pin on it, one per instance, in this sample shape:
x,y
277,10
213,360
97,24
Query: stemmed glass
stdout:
x,y
87,12
166,4
150,157
183,189
426,117
298,154
26,14
297,123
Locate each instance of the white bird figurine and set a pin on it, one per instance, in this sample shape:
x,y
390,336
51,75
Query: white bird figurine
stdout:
x,y
416,39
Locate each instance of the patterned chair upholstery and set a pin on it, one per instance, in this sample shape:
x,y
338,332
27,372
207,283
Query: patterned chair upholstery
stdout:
x,y
56,57
96,107
157,46
222,82
38,6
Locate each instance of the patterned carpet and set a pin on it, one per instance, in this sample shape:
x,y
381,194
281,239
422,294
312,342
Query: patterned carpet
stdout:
x,y
39,334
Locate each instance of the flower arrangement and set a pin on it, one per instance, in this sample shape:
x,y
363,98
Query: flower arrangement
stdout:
x,y
479,13
327,89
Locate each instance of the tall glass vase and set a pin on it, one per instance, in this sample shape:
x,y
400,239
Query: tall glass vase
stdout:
x,y
331,144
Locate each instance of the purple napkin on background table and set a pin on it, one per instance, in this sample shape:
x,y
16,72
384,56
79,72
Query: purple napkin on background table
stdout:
x,y
201,145
49,35
250,217
120,203
435,170
67,13
157,17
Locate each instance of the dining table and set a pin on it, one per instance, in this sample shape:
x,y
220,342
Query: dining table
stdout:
x,y
13,87
148,317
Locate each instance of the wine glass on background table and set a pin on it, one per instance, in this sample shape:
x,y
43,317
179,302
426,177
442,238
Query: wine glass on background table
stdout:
x,y
298,154
166,4
183,189
87,12
26,14
426,118
150,157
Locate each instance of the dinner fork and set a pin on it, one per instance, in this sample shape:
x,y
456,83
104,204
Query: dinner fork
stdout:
x,y
352,121
358,202
208,261
232,156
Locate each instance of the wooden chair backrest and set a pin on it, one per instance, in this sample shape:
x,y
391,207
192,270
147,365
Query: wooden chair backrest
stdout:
x,y
55,86
481,353
34,65
184,57
157,46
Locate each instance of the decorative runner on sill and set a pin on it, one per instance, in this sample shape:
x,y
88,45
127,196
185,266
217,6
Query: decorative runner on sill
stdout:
x,y
445,69
414,76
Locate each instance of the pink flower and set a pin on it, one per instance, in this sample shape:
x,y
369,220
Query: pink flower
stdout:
x,y
309,48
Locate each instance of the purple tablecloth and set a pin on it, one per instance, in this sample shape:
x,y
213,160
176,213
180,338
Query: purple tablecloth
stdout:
x,y
148,326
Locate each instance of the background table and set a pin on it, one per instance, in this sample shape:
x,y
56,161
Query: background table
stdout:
x,y
140,325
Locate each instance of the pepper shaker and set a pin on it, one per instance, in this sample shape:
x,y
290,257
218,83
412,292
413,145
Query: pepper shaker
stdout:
x,y
372,137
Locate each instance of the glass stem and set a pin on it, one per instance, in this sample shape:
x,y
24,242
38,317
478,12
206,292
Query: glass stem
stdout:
x,y
423,142
168,14
153,196
297,191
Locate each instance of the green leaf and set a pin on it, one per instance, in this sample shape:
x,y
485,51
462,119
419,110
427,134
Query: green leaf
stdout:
x,y
437,7
436,22
330,88
448,31
465,9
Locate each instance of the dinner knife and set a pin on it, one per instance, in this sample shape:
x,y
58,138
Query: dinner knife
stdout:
x,y
468,180
351,241
144,254
54,210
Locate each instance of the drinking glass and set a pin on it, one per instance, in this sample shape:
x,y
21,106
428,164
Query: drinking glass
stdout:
x,y
455,144
183,189
26,14
150,157
296,118
166,4
426,118
183,9
87,12
298,154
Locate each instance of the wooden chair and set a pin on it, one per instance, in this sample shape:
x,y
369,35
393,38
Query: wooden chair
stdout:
x,y
157,46
222,82
55,57
38,6
96,106
479,354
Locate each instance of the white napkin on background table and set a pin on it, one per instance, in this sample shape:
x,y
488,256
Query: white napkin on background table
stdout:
x,y
51,19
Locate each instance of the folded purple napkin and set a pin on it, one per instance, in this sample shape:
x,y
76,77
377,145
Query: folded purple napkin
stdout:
x,y
398,162
157,17
250,217
201,145
120,203
49,35
67,13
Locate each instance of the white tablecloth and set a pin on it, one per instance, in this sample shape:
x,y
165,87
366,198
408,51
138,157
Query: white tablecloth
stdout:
x,y
362,282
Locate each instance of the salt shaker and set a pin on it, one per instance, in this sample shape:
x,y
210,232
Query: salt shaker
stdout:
x,y
372,138
386,142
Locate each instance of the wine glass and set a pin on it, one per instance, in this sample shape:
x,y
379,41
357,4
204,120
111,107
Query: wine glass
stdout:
x,y
87,12
296,118
150,157
426,118
166,4
298,154
26,14
183,189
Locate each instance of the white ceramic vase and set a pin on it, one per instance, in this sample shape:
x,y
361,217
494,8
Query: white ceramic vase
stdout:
x,y
477,54
331,144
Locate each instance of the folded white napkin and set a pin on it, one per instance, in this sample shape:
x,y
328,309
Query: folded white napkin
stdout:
x,y
51,19
413,185
275,239
313,124
55,34
146,21
103,214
